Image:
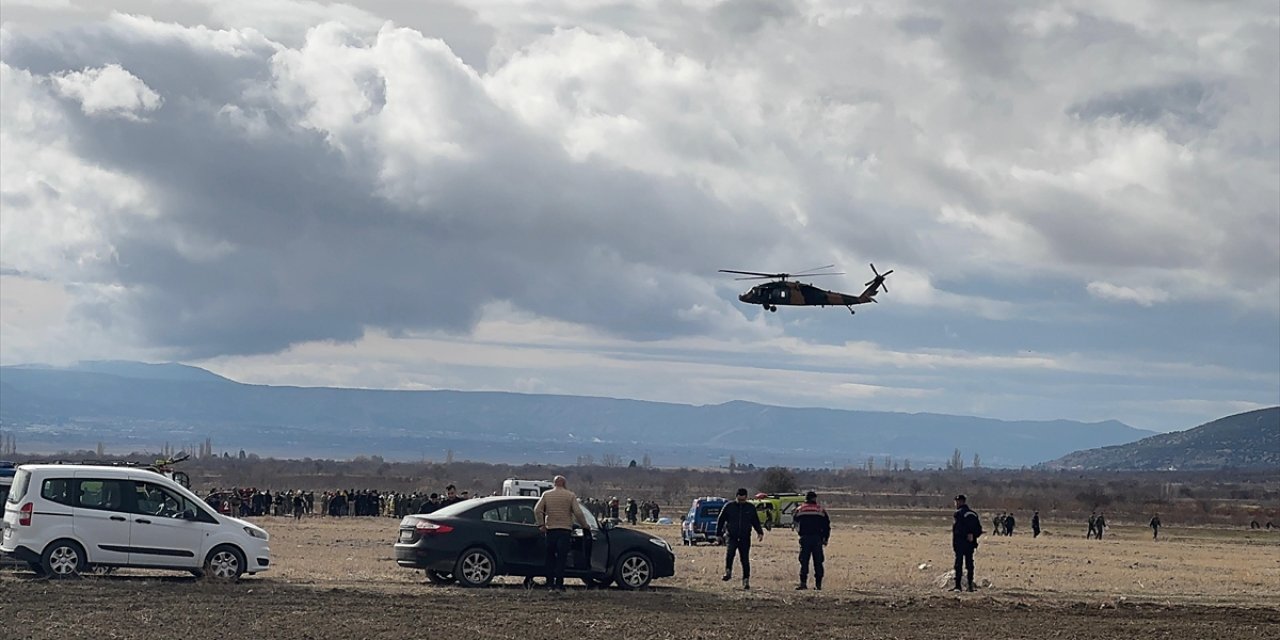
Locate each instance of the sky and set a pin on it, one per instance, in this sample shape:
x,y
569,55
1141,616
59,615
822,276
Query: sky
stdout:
x,y
1080,200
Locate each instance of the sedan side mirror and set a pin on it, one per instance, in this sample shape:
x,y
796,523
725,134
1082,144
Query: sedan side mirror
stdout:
x,y
606,525
188,515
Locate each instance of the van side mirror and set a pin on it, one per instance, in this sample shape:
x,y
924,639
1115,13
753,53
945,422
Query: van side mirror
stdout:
x,y
606,524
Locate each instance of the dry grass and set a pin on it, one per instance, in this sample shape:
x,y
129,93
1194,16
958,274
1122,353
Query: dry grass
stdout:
x,y
878,557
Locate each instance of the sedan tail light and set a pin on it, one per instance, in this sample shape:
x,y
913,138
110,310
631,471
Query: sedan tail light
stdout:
x,y
428,528
24,514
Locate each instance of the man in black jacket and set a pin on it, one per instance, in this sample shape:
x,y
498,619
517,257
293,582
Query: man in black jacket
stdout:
x,y
964,539
814,526
734,526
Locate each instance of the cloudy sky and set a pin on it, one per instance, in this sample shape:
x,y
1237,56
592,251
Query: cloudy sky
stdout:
x,y
1081,200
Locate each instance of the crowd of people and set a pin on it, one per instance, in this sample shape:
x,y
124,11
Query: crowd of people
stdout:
x,y
252,501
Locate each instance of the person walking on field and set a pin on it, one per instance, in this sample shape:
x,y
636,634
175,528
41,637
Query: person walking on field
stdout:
x,y
735,523
1035,525
1101,524
1155,526
814,526
555,514
964,539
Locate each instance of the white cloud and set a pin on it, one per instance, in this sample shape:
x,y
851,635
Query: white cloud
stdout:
x,y
108,90
219,179
1145,296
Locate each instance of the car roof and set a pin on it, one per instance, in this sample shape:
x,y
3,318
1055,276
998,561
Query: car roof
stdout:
x,y
119,472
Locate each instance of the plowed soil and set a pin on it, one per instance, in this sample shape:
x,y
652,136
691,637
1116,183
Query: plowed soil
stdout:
x,y
336,580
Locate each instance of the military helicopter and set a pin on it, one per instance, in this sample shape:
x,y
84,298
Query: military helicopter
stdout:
x,y
783,291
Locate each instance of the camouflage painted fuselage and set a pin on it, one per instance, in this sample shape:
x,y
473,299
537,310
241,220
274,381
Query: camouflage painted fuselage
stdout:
x,y
788,293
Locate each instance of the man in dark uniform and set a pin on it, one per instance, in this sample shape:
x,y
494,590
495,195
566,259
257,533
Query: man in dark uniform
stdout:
x,y
1155,526
814,526
1035,525
964,539
734,525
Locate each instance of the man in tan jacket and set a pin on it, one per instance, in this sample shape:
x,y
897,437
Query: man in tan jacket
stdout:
x,y
555,514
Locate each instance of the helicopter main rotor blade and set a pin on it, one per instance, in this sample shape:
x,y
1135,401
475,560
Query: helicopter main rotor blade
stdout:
x,y
756,273
822,268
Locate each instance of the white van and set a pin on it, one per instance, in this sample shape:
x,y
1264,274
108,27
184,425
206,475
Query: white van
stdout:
x,y
62,519
535,488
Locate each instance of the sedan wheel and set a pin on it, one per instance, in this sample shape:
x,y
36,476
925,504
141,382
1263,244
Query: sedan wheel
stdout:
x,y
475,568
634,571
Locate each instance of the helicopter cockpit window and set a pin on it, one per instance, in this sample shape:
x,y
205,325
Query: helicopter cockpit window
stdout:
x,y
780,294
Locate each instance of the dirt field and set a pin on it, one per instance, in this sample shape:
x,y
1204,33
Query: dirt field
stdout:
x,y
335,579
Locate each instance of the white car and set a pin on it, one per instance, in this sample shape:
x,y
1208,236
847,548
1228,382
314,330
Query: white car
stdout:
x,y
63,519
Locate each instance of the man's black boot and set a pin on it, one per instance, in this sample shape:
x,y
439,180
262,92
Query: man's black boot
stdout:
x,y
804,584
971,585
728,575
817,584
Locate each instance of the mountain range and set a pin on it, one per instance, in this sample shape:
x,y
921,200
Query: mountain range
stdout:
x,y
1249,440
130,406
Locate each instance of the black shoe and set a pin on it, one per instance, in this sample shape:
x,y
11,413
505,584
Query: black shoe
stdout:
x,y
971,589
746,584
957,588
818,585
728,575
802,587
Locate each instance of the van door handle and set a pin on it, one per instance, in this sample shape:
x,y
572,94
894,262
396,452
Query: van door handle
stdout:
x,y
141,521
118,518
502,533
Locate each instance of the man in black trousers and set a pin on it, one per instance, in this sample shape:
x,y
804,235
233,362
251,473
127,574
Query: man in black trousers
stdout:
x,y
964,539
734,526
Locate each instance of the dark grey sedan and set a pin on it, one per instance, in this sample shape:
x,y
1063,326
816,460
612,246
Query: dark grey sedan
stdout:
x,y
474,541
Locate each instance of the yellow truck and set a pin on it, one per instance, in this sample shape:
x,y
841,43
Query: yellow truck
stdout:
x,y
777,509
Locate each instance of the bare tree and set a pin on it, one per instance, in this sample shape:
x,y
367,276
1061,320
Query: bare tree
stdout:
x,y
611,460
977,461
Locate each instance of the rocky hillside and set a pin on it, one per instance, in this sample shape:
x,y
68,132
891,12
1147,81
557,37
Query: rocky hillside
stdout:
x,y
1248,440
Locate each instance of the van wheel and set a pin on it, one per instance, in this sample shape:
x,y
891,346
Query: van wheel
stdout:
x,y
439,577
634,571
224,562
476,568
63,559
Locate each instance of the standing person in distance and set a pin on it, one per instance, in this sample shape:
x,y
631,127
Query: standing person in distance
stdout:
x,y
734,525
1035,525
555,514
964,539
1155,526
814,526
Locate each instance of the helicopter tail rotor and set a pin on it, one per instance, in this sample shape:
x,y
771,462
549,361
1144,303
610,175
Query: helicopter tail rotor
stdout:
x,y
879,279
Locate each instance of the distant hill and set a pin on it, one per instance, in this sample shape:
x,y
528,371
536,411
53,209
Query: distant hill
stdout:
x,y
140,406
1249,440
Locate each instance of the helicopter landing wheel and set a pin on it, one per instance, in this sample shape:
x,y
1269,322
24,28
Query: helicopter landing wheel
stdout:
x,y
773,308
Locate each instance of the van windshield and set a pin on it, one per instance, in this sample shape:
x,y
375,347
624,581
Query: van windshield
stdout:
x,y
20,482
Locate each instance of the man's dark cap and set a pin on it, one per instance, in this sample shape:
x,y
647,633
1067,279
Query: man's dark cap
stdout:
x,y
961,497
742,492
812,496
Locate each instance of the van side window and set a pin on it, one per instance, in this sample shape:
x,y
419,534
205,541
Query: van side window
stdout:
x,y
58,490
101,494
